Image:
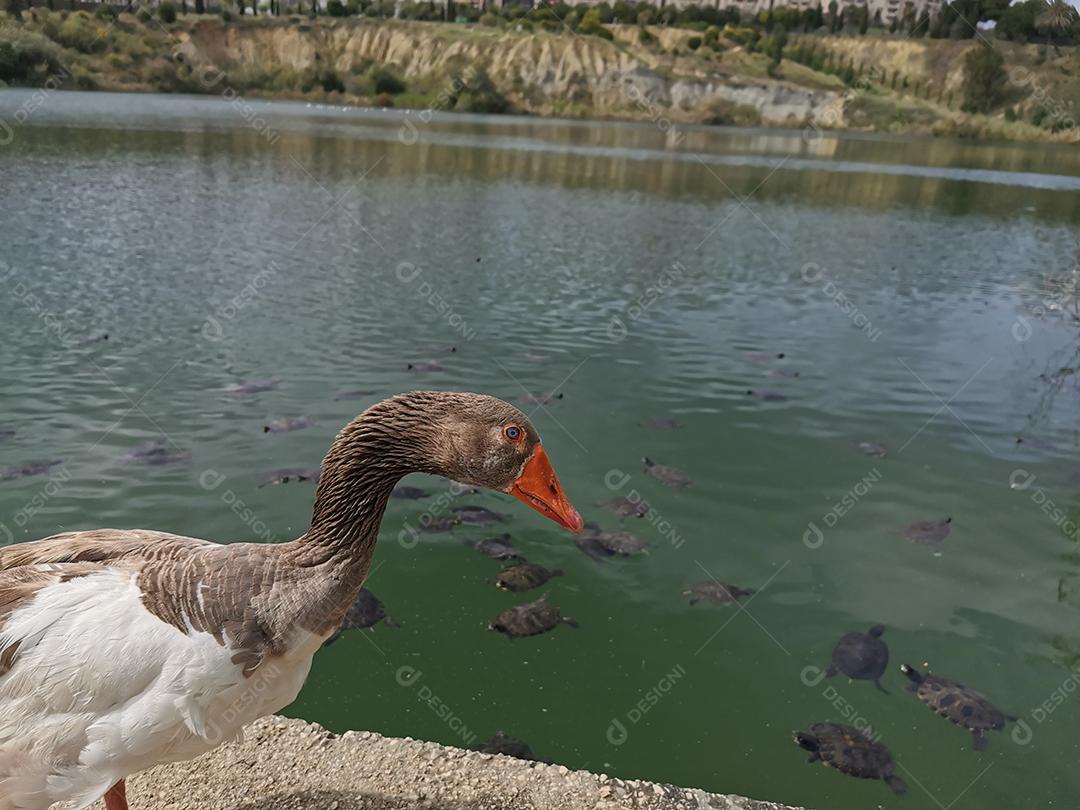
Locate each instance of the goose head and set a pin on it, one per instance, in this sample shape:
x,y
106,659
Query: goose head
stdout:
x,y
474,439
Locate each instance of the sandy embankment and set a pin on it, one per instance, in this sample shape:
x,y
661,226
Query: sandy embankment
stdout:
x,y
292,765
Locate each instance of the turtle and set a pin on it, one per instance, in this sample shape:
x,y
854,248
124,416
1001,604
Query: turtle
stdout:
x,y
626,506
434,525
530,619
499,548
287,424
7,435
591,547
356,393
766,394
718,592
91,340
365,611
1034,441
251,387
671,476
622,543
764,357
27,470
155,452
861,656
424,368
408,493
507,746
661,423
853,751
873,449
958,703
287,474
538,398
478,515
928,532
524,576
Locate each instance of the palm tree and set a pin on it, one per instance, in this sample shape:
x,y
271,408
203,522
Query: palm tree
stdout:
x,y
1056,17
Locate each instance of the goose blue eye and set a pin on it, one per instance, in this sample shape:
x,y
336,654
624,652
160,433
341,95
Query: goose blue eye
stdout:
x,y
513,432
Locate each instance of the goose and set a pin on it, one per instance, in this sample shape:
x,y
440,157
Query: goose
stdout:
x,y
125,649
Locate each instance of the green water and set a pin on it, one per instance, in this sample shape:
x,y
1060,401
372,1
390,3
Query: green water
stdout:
x,y
212,252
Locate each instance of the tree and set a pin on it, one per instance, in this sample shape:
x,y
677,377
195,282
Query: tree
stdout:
x,y
984,79
832,16
862,14
922,26
1017,22
1056,17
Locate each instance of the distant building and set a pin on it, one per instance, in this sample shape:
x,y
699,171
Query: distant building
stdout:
x,y
889,9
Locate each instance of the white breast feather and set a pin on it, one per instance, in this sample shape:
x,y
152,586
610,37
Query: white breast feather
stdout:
x,y
102,688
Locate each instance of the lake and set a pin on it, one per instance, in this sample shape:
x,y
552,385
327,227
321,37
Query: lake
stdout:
x,y
641,273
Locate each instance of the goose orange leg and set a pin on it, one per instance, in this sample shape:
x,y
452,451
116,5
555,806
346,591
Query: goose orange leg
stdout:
x,y
116,798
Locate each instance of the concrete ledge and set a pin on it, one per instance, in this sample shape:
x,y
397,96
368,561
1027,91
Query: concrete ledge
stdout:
x,y
292,765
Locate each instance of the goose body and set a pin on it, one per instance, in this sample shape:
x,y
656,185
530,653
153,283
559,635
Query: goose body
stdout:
x,y
121,650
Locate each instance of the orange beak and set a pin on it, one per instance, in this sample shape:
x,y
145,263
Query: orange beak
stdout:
x,y
539,487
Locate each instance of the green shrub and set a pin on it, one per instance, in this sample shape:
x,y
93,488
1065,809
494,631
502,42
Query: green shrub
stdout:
x,y
480,95
335,8
80,33
226,15
27,58
984,79
167,12
489,19
722,112
143,16
591,25
105,11
693,43
384,80
645,37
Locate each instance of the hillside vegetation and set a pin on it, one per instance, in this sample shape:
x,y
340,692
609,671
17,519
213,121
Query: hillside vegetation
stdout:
x,y
724,75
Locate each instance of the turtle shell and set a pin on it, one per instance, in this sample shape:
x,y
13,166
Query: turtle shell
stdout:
x,y
443,524
622,543
506,745
524,576
530,619
409,493
928,532
862,656
959,704
718,592
478,515
873,449
499,548
628,507
851,751
670,476
366,611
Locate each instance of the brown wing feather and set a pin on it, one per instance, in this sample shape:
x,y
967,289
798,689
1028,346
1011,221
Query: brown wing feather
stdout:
x,y
99,546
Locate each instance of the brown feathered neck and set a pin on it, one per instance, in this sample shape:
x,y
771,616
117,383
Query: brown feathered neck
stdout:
x,y
405,434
